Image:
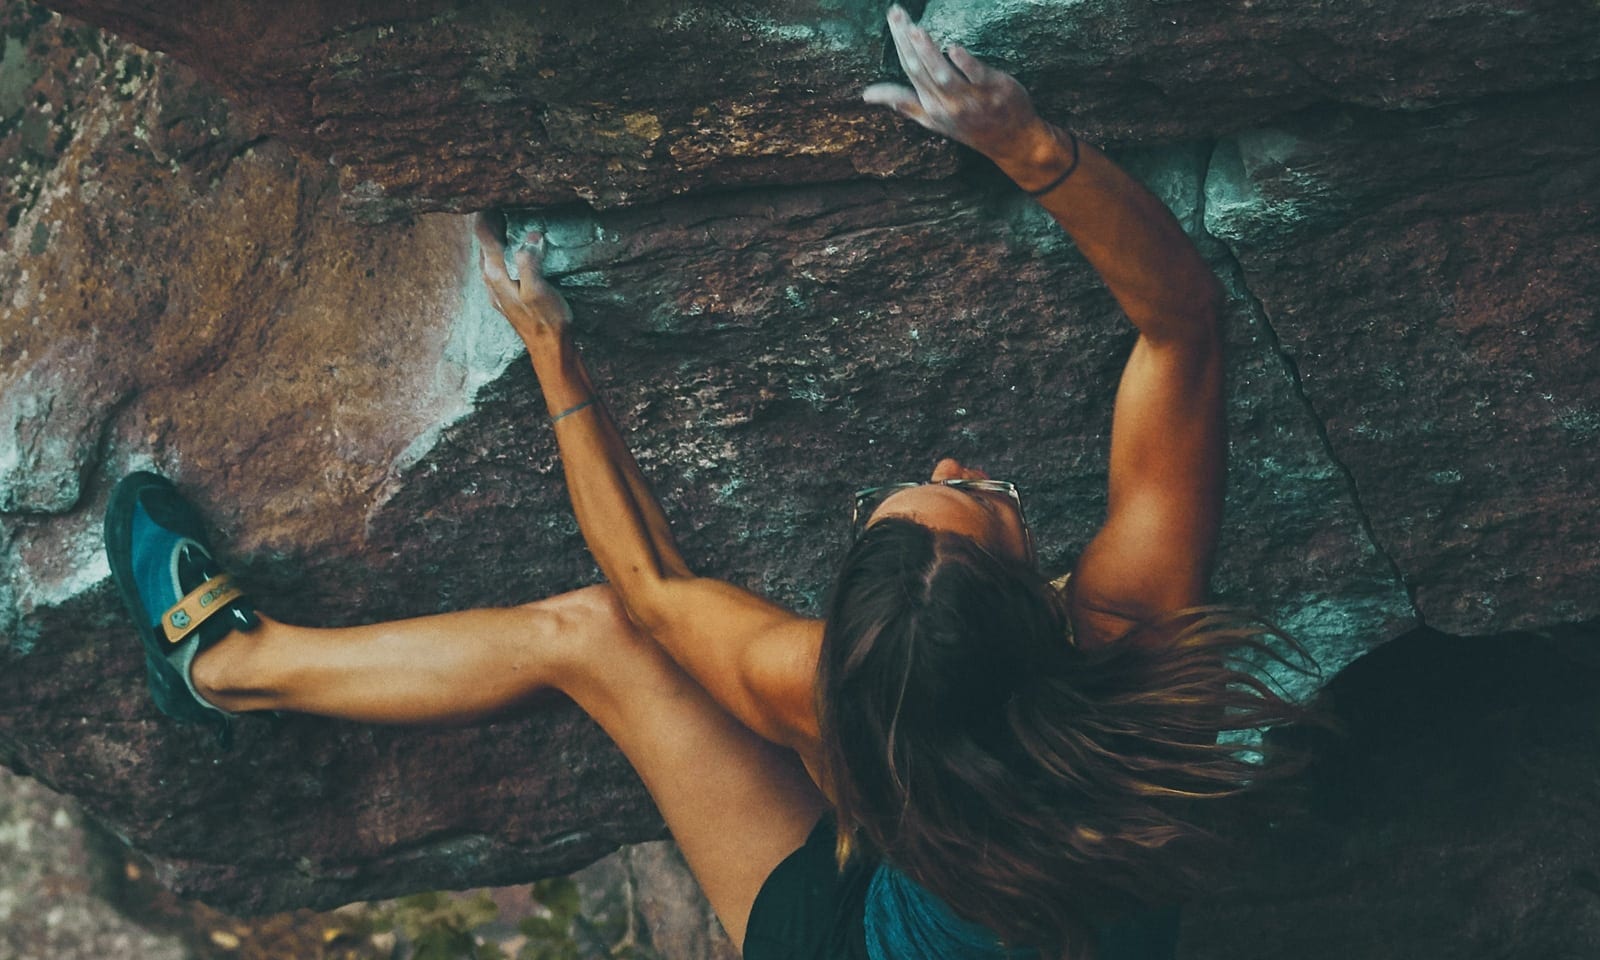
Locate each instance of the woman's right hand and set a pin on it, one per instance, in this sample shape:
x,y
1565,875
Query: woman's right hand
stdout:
x,y
958,96
535,308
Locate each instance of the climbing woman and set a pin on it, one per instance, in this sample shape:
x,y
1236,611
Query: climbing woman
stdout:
x,y
963,759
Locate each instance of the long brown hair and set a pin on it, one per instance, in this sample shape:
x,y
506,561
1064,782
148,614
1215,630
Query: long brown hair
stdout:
x,y
1034,787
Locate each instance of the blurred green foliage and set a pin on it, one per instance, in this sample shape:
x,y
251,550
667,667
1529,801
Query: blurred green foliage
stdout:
x,y
445,926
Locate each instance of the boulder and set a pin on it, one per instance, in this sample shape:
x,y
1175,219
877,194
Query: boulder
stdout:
x,y
228,262
49,881
461,105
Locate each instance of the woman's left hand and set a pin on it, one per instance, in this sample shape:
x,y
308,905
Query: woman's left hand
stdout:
x,y
956,94
535,308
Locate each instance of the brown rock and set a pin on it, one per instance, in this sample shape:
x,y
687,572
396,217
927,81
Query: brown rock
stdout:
x,y
296,385
441,105
55,412
456,105
1433,282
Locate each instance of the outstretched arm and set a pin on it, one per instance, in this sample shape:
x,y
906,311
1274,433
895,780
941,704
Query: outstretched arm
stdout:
x,y
755,658
1154,553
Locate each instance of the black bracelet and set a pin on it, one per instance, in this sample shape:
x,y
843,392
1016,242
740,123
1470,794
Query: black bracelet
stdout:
x,y
571,410
1058,181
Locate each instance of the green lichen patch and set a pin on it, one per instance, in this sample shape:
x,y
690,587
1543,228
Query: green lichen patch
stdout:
x,y
17,73
449,926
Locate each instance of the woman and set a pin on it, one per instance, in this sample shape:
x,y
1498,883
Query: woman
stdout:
x,y
960,754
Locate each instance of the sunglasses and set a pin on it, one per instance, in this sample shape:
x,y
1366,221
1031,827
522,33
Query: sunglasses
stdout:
x,y
868,499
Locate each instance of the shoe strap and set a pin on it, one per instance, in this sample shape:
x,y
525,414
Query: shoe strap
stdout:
x,y
202,603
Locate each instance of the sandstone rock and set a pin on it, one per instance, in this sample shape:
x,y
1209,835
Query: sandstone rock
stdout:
x,y
189,286
499,106
1132,70
654,906
679,922
52,417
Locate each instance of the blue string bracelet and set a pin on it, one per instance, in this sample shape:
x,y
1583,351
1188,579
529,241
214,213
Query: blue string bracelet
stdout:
x,y
1058,181
571,410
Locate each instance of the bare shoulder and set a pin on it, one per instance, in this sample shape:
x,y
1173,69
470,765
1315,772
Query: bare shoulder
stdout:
x,y
782,673
1098,623
756,658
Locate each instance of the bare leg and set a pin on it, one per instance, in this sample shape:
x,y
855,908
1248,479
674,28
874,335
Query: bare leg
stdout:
x,y
735,803
447,668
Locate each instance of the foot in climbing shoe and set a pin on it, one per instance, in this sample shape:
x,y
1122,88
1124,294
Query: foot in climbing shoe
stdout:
x,y
180,599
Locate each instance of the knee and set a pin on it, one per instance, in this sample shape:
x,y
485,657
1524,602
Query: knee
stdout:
x,y
589,626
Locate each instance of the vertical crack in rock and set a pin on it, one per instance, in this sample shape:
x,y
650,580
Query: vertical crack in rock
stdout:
x,y
1236,279
1260,312
10,613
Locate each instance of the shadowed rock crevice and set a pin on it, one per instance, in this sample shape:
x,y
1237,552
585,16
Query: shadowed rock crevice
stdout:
x,y
1455,815
1234,278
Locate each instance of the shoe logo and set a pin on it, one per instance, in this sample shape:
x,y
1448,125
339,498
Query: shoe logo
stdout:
x,y
179,619
209,596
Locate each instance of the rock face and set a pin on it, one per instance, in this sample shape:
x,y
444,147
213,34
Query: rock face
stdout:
x,y
786,296
69,893
1459,376
529,107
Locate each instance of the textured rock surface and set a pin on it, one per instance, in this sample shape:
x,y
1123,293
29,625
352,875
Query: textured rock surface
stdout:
x,y
433,103
67,892
49,906
651,883
837,299
456,105
1456,377
235,351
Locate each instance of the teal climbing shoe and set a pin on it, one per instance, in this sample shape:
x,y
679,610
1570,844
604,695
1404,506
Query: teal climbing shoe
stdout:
x,y
180,599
